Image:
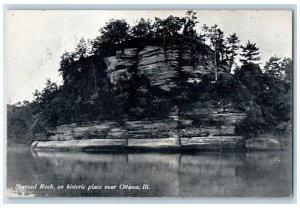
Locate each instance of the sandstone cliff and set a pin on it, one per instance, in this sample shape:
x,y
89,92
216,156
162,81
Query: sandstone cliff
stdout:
x,y
188,125
159,65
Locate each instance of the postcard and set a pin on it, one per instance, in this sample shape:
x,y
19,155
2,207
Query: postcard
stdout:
x,y
149,103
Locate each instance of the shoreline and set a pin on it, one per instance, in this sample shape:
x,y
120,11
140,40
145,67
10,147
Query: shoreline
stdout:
x,y
228,143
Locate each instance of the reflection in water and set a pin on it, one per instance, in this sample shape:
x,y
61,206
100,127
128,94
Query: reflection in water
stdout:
x,y
202,174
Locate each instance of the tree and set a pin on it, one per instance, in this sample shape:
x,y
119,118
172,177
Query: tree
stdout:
x,y
216,38
249,53
278,69
67,59
167,28
48,92
287,67
254,123
43,101
18,124
231,48
273,68
142,29
113,33
81,50
190,21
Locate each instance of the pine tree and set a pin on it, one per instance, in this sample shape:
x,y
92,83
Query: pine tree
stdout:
x,y
249,53
272,67
231,48
81,49
287,65
190,21
278,69
216,38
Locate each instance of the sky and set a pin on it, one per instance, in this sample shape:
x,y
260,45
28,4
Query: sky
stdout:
x,y
36,39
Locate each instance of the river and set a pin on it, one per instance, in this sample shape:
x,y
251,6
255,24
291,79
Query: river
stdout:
x,y
202,174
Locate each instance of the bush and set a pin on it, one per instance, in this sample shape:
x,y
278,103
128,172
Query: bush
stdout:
x,y
253,124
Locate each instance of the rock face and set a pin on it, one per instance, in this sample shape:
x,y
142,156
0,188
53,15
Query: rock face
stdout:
x,y
213,142
156,134
263,142
104,130
155,72
159,65
118,67
191,126
78,145
172,132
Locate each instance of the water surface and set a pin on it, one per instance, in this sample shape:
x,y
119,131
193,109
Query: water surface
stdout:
x,y
203,174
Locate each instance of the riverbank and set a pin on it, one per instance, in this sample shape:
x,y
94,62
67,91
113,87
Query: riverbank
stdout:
x,y
166,144
224,143
155,135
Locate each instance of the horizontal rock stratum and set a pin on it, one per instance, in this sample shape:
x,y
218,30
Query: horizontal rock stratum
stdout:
x,y
201,143
159,65
160,134
171,133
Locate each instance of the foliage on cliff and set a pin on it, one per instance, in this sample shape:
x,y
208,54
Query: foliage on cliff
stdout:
x,y
87,95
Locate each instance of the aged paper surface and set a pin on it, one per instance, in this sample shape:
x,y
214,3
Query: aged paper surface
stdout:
x,y
149,103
